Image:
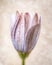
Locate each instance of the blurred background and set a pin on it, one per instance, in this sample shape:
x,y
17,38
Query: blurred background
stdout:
x,y
42,53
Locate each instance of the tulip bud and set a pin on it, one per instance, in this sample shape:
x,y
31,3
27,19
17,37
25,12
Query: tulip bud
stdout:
x,y
25,31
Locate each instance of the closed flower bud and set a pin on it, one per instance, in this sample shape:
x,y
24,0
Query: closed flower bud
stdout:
x,y
25,31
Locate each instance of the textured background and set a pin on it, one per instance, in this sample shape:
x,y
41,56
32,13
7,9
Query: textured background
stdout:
x,y
42,53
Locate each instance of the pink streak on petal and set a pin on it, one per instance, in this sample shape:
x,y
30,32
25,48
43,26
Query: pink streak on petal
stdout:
x,y
35,19
15,25
26,20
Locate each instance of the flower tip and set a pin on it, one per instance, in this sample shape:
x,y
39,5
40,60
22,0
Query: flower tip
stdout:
x,y
36,17
26,14
17,13
36,14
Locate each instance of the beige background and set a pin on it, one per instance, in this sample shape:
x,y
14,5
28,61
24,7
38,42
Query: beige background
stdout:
x,y
42,53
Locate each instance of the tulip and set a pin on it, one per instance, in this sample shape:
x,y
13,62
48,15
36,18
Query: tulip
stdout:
x,y
25,32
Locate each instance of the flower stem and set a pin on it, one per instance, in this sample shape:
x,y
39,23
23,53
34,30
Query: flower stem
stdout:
x,y
23,57
23,61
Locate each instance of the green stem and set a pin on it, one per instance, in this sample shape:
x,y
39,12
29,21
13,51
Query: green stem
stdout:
x,y
23,61
23,57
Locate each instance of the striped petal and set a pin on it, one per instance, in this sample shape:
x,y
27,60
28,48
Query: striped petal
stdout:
x,y
27,21
14,30
33,33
